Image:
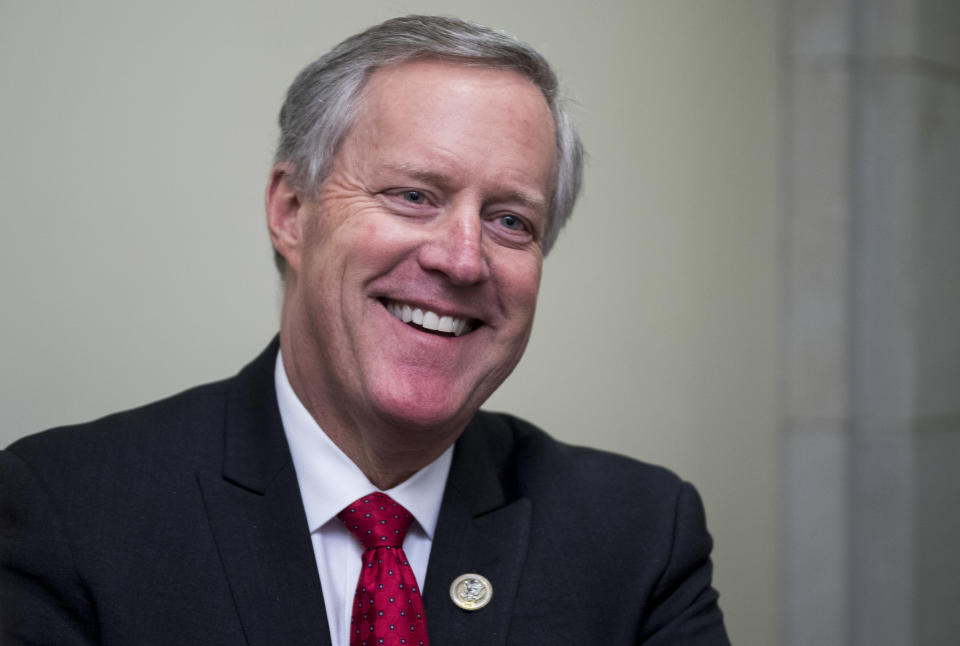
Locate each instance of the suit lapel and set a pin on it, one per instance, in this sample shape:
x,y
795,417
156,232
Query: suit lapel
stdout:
x,y
257,518
479,531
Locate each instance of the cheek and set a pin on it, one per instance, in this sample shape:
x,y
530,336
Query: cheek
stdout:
x,y
343,240
519,285
370,246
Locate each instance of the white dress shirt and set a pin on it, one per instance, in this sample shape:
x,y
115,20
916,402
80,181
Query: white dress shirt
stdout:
x,y
329,481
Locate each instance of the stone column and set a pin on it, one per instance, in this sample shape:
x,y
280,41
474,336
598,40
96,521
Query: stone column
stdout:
x,y
871,322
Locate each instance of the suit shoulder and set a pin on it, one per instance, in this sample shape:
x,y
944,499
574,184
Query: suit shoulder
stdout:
x,y
539,458
620,528
166,422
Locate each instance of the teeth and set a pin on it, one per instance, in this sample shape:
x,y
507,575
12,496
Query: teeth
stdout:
x,y
427,319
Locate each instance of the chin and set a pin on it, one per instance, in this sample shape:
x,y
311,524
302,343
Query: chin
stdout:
x,y
424,410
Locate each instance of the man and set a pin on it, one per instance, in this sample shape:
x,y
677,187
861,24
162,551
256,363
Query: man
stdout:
x,y
424,169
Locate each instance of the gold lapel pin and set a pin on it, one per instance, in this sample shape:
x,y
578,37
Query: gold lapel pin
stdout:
x,y
471,591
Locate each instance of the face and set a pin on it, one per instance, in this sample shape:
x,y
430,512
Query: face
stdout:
x,y
413,275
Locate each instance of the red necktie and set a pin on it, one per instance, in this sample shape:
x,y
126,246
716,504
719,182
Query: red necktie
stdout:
x,y
387,608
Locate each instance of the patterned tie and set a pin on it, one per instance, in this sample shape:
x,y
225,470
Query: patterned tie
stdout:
x,y
387,608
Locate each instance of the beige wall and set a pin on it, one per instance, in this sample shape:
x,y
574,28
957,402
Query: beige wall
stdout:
x,y
135,141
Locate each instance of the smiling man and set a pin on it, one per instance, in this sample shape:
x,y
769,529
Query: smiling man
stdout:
x,y
344,488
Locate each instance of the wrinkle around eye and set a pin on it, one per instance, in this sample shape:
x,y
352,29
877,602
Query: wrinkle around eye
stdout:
x,y
513,237
397,200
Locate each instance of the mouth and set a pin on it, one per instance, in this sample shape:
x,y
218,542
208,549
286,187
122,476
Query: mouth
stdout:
x,y
429,321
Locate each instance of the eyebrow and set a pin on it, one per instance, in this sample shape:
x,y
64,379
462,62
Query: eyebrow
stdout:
x,y
528,199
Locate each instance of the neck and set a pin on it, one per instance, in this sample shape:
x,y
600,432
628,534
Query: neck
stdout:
x,y
385,466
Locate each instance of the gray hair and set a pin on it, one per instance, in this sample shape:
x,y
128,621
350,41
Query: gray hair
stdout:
x,y
322,102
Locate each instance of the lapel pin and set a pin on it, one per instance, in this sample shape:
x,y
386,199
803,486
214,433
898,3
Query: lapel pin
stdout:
x,y
471,591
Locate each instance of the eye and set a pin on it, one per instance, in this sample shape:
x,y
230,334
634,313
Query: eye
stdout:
x,y
512,222
415,197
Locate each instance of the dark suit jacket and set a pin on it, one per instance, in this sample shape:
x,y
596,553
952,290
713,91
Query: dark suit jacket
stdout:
x,y
181,523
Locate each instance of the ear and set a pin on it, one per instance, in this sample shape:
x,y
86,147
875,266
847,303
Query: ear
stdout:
x,y
284,215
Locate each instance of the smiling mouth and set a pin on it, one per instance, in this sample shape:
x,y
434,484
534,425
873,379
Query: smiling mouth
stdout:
x,y
429,321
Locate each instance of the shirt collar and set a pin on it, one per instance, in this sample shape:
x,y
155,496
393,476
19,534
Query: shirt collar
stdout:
x,y
329,480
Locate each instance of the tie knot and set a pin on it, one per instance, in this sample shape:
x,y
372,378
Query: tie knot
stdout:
x,y
377,521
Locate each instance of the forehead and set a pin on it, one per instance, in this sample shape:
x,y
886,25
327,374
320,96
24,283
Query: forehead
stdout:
x,y
421,91
460,112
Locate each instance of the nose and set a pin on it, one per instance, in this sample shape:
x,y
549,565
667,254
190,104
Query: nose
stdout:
x,y
455,246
